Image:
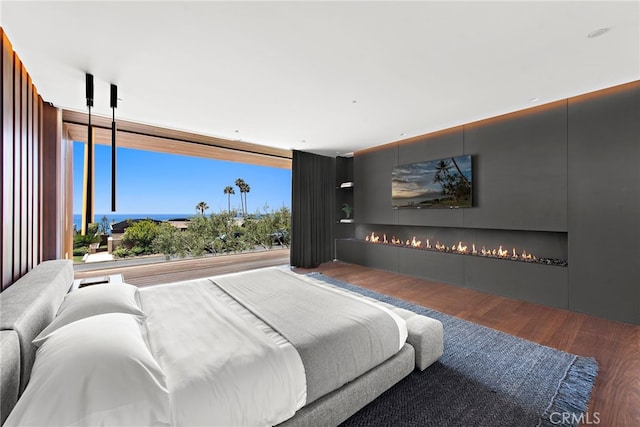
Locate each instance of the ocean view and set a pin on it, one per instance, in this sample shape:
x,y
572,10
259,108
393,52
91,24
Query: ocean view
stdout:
x,y
116,217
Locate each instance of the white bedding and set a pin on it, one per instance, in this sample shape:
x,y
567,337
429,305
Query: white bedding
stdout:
x,y
223,366
195,357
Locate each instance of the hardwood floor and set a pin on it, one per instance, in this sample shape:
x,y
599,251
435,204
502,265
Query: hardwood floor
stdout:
x,y
615,400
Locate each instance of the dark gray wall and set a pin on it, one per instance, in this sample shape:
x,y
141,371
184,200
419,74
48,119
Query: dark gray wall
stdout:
x,y
520,171
604,205
571,167
372,191
519,174
541,284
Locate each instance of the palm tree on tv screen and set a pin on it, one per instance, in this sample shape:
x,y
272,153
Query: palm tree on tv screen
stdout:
x,y
454,184
442,173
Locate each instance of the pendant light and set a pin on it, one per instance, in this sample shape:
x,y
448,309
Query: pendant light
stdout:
x,y
114,105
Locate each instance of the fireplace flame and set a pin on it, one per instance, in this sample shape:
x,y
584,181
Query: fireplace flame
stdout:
x,y
373,238
458,248
461,249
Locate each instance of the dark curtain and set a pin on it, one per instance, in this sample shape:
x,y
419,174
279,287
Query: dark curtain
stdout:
x,y
312,208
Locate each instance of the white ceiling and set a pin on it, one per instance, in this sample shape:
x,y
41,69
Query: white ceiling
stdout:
x,y
327,77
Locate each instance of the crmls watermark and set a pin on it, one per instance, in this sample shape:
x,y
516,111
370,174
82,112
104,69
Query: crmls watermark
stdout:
x,y
570,418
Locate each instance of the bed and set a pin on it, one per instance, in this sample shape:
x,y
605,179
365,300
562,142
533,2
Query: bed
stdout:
x,y
265,347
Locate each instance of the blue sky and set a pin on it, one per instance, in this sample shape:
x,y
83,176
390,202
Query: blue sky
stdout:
x,y
158,183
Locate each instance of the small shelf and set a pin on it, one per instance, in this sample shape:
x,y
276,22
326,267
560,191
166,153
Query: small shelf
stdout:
x,y
344,196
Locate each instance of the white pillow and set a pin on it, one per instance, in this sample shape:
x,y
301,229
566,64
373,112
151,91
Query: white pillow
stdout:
x,y
91,301
95,371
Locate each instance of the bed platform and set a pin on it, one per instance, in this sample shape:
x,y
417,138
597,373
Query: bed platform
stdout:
x,y
30,305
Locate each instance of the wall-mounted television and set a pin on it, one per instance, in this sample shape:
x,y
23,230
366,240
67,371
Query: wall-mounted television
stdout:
x,y
442,183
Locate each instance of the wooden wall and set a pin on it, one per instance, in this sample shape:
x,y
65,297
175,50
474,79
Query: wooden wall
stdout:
x,y
22,169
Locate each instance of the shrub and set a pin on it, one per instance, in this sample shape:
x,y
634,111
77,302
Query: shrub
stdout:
x,y
81,251
121,252
140,235
138,250
167,241
92,236
198,238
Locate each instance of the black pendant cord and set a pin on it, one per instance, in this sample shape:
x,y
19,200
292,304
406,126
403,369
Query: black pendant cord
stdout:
x,y
89,206
114,105
88,213
113,164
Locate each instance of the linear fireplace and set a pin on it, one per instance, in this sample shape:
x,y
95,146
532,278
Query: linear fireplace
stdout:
x,y
539,273
548,248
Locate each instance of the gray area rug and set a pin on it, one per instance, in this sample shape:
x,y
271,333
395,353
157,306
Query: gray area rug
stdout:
x,y
485,378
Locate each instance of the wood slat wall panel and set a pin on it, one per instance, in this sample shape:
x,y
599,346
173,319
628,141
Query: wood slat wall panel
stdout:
x,y
24,177
29,212
51,223
21,145
17,170
36,221
7,162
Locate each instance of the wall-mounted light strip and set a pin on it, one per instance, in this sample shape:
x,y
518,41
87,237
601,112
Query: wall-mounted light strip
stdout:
x,y
114,105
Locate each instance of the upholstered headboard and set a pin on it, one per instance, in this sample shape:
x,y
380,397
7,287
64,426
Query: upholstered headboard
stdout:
x,y
26,308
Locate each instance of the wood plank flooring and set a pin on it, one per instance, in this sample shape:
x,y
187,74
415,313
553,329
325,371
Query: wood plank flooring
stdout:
x,y
615,345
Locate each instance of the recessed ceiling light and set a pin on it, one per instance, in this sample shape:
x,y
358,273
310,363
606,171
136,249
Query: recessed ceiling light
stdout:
x,y
354,101
303,141
403,134
534,99
598,33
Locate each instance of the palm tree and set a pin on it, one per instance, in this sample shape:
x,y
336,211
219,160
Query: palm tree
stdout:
x,y
443,176
201,207
246,189
228,190
442,171
464,178
240,184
